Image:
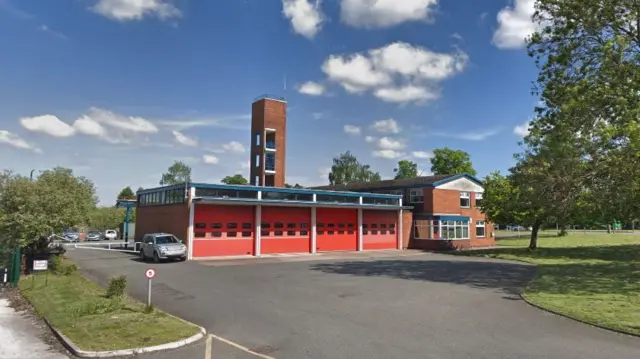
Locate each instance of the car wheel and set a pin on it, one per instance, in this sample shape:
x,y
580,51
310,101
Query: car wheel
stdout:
x,y
144,258
182,259
155,257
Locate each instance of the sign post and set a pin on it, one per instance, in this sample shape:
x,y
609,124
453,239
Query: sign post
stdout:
x,y
40,265
150,273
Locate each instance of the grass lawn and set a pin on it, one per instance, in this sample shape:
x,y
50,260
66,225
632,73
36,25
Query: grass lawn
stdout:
x,y
592,277
79,309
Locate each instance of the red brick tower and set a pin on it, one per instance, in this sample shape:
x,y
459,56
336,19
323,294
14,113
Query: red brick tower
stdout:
x,y
268,133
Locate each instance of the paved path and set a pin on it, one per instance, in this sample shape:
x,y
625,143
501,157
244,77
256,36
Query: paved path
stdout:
x,y
20,336
417,307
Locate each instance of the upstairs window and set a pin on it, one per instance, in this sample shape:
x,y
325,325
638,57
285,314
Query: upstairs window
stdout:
x,y
480,229
416,196
478,199
465,200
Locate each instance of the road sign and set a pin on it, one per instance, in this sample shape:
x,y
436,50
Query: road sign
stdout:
x,y
150,273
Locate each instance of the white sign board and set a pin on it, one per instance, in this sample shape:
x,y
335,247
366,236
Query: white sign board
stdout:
x,y
150,273
40,265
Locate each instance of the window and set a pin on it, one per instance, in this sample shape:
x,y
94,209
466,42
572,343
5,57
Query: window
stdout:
x,y
257,139
479,199
330,232
416,196
278,225
480,229
291,233
320,232
422,229
232,234
374,225
200,234
265,233
350,225
216,225
246,225
331,225
232,225
291,225
277,233
201,225
341,232
246,234
257,161
340,225
304,233
304,225
350,232
465,200
374,231
454,229
319,224
265,225
216,234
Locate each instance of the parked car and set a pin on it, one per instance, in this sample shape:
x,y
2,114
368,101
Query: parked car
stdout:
x,y
110,235
70,236
94,235
162,246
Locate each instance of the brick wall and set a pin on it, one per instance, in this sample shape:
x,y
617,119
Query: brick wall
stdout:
x,y
407,226
172,218
267,113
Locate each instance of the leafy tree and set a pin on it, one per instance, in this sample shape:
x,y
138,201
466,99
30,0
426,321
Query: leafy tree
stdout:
x,y
498,202
406,169
139,189
347,169
236,179
179,172
286,185
589,55
126,193
33,210
446,161
106,218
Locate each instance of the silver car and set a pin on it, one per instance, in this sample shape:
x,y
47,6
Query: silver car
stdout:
x,y
162,246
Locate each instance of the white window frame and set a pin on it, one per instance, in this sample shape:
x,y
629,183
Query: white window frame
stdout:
x,y
479,196
481,224
466,195
444,225
416,193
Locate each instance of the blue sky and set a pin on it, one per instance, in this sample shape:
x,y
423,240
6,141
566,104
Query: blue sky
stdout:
x,y
119,89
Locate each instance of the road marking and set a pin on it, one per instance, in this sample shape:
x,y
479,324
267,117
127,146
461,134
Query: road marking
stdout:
x,y
207,350
238,346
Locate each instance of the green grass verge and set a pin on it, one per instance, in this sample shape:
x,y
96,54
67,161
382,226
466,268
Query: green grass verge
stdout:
x,y
80,310
592,277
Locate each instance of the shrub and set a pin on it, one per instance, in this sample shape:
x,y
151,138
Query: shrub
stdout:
x,y
149,309
61,267
117,286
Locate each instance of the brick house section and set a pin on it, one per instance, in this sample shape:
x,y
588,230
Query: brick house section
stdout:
x,y
407,228
172,219
268,113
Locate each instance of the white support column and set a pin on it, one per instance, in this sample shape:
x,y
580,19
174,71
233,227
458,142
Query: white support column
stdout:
x,y
192,207
400,231
257,237
313,228
360,238
313,197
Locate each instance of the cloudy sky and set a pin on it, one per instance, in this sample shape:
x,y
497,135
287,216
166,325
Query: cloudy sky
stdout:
x,y
119,89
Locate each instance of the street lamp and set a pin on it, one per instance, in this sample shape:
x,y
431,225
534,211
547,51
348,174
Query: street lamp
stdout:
x,y
31,175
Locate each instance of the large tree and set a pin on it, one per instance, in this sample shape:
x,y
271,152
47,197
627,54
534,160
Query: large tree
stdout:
x,y
107,218
126,193
347,169
447,161
30,211
179,172
588,52
406,169
236,179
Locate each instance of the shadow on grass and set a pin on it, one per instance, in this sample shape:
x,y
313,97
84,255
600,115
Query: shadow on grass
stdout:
x,y
505,277
619,253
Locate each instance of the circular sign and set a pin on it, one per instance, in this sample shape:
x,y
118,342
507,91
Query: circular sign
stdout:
x,y
150,273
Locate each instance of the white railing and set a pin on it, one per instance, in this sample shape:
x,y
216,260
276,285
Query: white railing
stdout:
x,y
121,246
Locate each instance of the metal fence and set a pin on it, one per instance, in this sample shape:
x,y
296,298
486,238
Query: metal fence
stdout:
x,y
10,266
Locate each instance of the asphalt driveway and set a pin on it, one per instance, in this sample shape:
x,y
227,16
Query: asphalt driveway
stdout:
x,y
422,307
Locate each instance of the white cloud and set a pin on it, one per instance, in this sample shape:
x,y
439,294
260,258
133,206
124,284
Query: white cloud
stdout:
x,y
311,88
184,140
88,126
388,154
515,24
129,124
234,146
351,129
370,139
129,10
384,13
16,141
305,16
422,154
48,124
479,135
210,159
233,122
398,72
386,143
522,130
386,126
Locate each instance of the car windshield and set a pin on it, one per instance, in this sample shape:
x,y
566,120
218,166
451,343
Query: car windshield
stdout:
x,y
166,240
111,231
94,233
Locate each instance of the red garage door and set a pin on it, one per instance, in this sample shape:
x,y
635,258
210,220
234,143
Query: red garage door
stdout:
x,y
285,230
223,230
379,229
337,229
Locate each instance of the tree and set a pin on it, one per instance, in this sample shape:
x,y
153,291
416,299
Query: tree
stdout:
x,y
30,211
498,201
406,169
347,169
446,161
286,185
588,53
106,218
179,172
126,193
236,179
